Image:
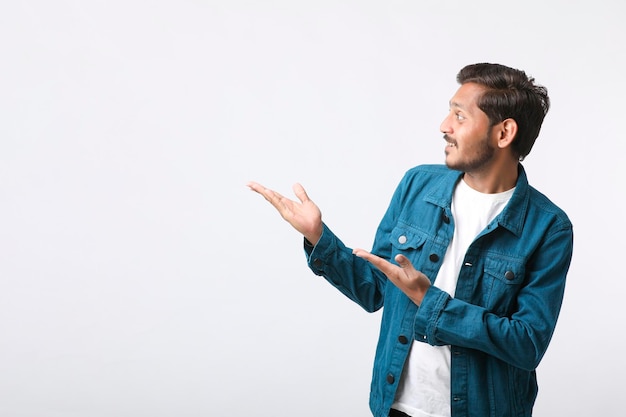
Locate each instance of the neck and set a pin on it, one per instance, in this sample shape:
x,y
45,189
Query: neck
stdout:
x,y
495,179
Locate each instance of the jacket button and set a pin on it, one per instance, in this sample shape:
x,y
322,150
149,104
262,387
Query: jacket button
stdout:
x,y
509,275
402,240
445,218
402,339
390,378
433,257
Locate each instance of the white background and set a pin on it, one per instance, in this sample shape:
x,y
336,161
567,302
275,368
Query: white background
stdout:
x,y
140,277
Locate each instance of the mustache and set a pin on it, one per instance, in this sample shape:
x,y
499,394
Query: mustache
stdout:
x,y
448,139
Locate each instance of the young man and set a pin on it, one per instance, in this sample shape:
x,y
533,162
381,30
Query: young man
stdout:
x,y
469,261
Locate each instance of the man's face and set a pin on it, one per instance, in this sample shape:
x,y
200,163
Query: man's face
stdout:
x,y
470,145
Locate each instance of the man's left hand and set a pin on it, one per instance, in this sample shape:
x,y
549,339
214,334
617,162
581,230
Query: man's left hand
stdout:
x,y
408,279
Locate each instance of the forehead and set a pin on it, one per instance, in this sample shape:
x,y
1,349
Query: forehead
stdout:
x,y
466,97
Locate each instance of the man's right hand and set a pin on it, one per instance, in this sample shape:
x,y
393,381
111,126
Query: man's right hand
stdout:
x,y
304,216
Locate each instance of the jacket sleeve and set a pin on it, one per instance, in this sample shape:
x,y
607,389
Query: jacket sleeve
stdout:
x,y
353,276
520,339
356,278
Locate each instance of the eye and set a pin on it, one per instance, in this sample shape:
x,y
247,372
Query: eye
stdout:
x,y
459,116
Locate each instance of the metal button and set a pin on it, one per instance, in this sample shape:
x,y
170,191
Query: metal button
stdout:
x,y
390,378
402,339
446,219
402,240
509,275
433,257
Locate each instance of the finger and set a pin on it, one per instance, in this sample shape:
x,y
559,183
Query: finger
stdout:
x,y
255,186
385,266
404,262
412,273
274,198
259,189
298,189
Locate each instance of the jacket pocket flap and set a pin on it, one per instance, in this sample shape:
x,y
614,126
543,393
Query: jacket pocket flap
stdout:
x,y
403,238
507,271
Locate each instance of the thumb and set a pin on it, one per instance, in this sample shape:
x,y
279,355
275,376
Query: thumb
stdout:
x,y
298,189
404,262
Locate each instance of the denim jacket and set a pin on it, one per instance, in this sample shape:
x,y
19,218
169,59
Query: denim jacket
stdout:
x,y
507,299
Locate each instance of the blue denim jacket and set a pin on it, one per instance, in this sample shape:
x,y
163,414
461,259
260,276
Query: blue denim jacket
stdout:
x,y
507,300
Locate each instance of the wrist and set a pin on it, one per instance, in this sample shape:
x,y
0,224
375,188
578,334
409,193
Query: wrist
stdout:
x,y
315,236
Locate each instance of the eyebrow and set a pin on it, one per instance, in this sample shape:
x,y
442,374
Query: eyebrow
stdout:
x,y
456,104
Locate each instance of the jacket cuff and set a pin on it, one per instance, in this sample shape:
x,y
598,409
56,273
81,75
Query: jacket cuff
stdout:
x,y
318,253
428,314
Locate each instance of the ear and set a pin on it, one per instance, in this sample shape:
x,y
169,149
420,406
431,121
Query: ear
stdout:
x,y
506,132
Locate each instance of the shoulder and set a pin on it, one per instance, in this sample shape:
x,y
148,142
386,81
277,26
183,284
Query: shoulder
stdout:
x,y
433,182
542,203
530,205
439,176
430,171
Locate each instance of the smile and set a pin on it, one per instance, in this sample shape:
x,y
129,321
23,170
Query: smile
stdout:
x,y
451,143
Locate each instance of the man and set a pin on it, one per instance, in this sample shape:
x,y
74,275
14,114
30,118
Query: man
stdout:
x,y
469,261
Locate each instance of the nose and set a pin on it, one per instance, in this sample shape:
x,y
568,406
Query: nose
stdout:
x,y
446,126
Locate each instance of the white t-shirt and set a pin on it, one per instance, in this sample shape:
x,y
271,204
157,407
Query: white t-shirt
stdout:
x,y
424,388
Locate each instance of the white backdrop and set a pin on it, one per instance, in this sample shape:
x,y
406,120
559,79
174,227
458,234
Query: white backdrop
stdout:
x,y
140,277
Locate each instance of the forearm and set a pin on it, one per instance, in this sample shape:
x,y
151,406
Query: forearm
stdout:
x,y
516,328
519,341
353,276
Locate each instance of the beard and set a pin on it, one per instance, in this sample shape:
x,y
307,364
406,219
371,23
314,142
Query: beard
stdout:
x,y
473,159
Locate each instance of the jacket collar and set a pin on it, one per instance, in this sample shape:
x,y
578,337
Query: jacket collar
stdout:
x,y
513,215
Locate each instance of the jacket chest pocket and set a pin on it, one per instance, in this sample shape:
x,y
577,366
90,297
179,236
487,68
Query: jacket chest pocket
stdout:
x,y
408,242
502,279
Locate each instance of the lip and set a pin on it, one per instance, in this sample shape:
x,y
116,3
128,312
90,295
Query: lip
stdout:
x,y
450,143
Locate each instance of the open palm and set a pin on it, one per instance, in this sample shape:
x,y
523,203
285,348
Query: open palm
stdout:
x,y
304,215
